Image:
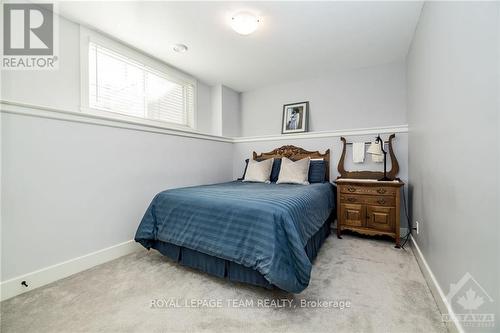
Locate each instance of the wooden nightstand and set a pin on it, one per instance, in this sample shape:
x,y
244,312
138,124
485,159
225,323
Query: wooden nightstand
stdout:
x,y
369,207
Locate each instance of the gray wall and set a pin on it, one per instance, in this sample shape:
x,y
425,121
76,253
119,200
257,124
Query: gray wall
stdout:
x,y
231,115
204,116
69,189
226,117
360,98
367,97
453,72
216,107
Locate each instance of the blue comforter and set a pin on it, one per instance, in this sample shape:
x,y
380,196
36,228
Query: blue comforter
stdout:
x,y
261,226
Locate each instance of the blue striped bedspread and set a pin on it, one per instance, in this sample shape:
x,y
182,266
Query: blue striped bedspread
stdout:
x,y
261,226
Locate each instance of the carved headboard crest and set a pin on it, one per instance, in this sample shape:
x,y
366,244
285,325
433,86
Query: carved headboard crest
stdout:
x,y
296,153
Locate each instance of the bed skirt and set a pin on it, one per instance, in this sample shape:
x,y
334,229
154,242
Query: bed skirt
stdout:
x,y
229,269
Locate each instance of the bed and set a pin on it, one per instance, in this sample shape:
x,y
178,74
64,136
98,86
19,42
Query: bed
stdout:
x,y
262,234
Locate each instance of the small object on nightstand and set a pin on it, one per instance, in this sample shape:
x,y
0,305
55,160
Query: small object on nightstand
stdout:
x,y
369,206
373,150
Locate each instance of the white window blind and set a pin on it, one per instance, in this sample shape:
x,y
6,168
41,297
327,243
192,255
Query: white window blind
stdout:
x,y
121,85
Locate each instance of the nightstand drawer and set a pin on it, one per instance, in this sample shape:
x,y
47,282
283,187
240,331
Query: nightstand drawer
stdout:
x,y
373,190
368,199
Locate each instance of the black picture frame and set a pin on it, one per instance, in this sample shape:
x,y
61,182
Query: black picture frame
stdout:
x,y
291,125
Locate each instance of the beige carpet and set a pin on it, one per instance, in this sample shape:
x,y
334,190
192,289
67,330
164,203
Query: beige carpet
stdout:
x,y
385,288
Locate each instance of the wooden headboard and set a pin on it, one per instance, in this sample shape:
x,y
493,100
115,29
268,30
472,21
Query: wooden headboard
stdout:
x,y
296,153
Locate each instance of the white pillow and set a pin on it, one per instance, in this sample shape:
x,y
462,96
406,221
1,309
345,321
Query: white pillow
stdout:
x,y
294,172
259,171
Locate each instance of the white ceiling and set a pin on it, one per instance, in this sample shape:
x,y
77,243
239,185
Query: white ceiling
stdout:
x,y
295,40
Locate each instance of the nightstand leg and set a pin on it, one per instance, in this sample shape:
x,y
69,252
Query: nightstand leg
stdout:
x,y
398,243
339,233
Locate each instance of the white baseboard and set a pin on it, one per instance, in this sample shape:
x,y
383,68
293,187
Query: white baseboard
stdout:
x,y
13,287
440,297
402,231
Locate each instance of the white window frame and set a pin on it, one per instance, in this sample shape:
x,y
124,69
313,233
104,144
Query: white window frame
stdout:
x,y
87,36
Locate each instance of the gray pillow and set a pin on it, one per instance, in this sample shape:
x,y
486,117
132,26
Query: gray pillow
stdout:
x,y
294,172
259,171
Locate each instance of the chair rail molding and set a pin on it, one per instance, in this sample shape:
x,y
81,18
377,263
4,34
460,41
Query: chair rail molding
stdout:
x,y
326,134
138,124
24,109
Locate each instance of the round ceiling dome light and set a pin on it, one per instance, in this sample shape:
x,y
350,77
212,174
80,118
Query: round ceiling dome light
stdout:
x,y
244,23
180,48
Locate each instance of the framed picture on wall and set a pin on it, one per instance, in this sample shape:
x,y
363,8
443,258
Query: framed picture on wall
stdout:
x,y
295,118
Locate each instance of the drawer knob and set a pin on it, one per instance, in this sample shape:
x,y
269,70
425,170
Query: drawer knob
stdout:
x,y
351,199
381,190
351,189
381,201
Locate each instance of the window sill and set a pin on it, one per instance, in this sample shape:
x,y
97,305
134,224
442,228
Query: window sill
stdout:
x,y
136,120
98,118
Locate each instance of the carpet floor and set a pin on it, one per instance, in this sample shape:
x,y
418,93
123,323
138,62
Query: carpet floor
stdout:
x,y
357,285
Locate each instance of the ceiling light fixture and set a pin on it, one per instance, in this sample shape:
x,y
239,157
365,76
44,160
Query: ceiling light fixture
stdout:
x,y
244,23
180,48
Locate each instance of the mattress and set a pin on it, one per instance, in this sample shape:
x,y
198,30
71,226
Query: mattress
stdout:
x,y
262,227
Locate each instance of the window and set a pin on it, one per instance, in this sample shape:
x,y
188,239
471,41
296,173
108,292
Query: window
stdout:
x,y
119,84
